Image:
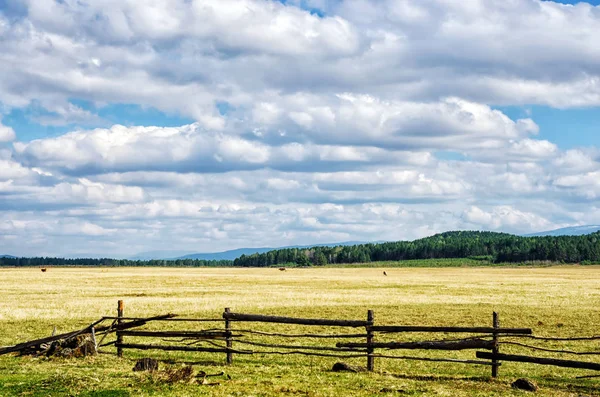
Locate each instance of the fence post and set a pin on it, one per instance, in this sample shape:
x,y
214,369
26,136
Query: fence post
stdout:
x,y
370,339
228,338
495,348
120,312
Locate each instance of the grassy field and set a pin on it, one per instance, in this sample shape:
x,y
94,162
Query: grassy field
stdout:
x,y
554,301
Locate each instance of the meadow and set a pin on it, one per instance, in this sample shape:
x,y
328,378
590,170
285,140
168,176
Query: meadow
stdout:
x,y
553,301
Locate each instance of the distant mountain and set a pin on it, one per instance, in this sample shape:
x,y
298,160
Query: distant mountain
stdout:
x,y
149,255
7,256
236,253
568,231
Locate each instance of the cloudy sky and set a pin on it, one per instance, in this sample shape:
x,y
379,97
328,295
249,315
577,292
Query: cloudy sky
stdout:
x,y
205,125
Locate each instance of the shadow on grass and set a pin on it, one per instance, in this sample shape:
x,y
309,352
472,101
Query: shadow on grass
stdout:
x,y
204,363
106,393
436,378
562,384
559,384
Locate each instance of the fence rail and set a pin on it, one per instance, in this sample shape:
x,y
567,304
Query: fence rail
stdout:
x,y
222,340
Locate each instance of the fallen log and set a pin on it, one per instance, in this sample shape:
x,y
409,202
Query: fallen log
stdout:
x,y
36,343
425,345
539,360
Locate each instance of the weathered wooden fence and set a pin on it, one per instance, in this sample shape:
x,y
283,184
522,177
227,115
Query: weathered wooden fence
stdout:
x,y
234,339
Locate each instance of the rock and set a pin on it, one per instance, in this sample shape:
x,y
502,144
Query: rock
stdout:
x,y
146,364
524,384
343,367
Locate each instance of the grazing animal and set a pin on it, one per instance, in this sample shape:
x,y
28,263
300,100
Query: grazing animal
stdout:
x,y
282,269
384,273
44,270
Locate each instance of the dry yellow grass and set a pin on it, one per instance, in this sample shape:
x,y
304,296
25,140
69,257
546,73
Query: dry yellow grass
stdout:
x,y
553,301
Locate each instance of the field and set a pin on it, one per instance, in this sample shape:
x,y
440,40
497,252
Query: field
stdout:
x,y
554,301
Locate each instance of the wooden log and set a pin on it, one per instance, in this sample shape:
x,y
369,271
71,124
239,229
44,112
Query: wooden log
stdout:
x,y
299,347
94,339
470,330
177,348
495,346
292,320
317,336
539,360
37,342
228,342
593,353
178,334
370,342
99,330
440,360
557,339
120,312
132,324
425,345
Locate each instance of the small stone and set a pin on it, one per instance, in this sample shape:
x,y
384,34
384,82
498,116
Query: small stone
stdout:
x,y
146,364
524,384
343,367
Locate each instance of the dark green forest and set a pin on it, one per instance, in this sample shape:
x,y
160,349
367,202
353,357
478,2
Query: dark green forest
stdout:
x,y
495,247
49,262
485,246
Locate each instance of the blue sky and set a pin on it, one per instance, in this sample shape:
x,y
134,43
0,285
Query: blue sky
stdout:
x,y
25,121
209,125
593,2
568,128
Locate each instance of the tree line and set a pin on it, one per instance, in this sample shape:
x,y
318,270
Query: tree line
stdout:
x,y
108,262
495,247
489,246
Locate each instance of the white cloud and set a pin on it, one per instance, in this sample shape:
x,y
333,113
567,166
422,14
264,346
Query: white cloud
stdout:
x,y
506,218
7,134
337,128
192,148
527,52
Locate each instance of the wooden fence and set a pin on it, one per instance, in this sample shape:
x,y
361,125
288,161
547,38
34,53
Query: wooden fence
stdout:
x,y
232,338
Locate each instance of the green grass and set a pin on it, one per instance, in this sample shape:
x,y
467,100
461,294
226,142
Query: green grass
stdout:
x,y
554,301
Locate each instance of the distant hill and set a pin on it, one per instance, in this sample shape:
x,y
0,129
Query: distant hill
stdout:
x,y
476,245
568,231
7,256
236,253
149,255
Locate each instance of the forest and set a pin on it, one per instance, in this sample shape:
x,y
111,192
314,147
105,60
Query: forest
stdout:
x,y
108,262
488,246
495,247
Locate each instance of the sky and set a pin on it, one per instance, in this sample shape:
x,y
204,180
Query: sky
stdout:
x,y
207,125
